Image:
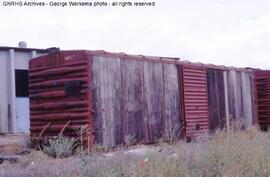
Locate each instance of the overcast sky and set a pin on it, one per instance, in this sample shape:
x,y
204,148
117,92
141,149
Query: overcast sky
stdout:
x,y
229,32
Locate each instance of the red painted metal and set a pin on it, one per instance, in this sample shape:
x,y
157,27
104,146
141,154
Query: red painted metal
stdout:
x,y
195,95
60,93
263,97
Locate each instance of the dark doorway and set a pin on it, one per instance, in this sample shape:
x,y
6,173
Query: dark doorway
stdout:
x,y
21,80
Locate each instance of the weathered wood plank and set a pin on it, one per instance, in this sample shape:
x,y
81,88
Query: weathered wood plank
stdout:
x,y
235,95
222,100
216,99
106,101
132,101
247,99
154,100
172,117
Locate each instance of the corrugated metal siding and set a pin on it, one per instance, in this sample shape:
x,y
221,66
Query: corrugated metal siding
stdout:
x,y
59,93
195,100
263,97
216,99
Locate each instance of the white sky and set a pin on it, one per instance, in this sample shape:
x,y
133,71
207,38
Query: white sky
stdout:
x,y
229,32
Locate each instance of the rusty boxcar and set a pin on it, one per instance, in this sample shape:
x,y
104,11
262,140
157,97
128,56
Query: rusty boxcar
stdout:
x,y
122,99
128,99
214,96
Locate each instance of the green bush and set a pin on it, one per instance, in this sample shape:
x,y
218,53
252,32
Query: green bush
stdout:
x,y
60,147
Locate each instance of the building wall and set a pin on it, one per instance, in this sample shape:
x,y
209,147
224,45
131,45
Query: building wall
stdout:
x,y
22,59
10,60
4,91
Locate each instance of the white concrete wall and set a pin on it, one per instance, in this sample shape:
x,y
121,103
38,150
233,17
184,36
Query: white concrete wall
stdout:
x,y
22,59
9,61
4,92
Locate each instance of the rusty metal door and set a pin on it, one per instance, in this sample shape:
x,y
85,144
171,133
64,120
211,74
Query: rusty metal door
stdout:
x,y
195,95
263,98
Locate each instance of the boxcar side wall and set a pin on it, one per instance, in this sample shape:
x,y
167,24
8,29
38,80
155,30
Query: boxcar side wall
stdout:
x,y
127,100
231,98
134,101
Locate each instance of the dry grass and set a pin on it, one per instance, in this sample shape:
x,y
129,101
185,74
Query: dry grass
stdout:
x,y
237,153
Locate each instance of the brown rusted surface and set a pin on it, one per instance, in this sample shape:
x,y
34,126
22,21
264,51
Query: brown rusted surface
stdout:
x,y
263,98
60,99
195,100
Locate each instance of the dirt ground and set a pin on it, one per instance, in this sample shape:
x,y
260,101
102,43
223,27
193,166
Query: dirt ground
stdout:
x,y
38,164
234,153
12,144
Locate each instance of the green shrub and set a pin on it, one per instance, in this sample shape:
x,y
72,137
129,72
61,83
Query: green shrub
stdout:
x,y
60,147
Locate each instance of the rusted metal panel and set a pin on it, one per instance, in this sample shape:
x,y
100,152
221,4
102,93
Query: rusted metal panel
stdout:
x,y
195,100
263,98
106,94
59,94
132,103
216,99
